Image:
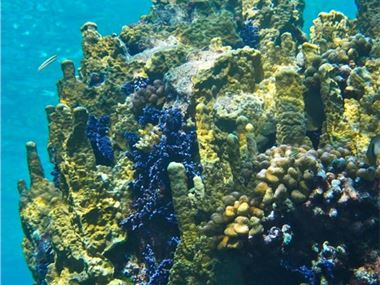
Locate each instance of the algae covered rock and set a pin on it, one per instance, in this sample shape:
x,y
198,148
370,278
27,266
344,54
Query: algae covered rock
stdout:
x,y
204,29
291,128
330,29
368,17
275,17
230,106
238,69
161,62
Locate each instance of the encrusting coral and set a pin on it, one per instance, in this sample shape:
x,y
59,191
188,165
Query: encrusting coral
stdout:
x,y
368,17
212,143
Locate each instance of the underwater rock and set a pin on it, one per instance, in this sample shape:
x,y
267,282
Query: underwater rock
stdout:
x,y
238,69
204,143
201,31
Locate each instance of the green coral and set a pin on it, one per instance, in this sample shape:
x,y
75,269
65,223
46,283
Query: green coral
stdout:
x,y
369,17
330,29
192,262
235,70
162,61
275,17
137,37
291,128
201,31
230,106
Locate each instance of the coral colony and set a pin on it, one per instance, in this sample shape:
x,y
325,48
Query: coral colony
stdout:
x,y
213,143
250,34
97,133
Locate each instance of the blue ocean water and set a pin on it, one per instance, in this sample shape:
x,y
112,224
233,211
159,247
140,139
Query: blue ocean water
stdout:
x,y
32,31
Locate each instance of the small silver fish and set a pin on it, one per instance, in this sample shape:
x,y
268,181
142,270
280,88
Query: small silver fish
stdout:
x,y
47,62
373,151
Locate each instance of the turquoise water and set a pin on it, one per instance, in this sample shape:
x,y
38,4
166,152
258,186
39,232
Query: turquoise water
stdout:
x,y
31,32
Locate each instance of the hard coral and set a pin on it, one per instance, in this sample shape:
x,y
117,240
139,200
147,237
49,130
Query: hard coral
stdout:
x,y
97,132
150,168
331,188
44,256
154,95
250,34
158,272
152,204
135,85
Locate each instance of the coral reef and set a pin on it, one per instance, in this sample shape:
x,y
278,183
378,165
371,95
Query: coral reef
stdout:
x,y
212,143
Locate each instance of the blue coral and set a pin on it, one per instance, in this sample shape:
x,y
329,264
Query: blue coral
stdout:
x,y
151,115
250,34
96,79
131,138
158,272
181,146
56,173
153,217
328,266
134,85
149,259
312,275
307,273
44,256
325,267
97,133
161,274
151,177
